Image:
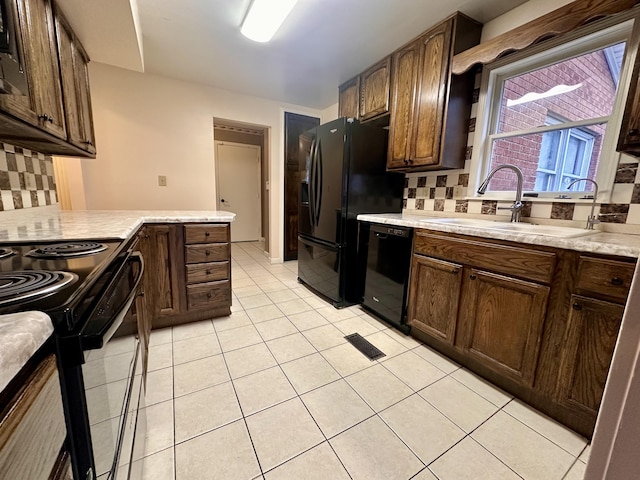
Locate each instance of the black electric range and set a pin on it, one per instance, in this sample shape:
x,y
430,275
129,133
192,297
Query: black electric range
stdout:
x,y
59,278
87,288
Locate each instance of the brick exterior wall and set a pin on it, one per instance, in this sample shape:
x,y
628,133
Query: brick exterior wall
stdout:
x,y
593,99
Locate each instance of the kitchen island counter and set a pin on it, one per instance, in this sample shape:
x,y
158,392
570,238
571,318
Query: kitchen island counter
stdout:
x,y
44,224
21,335
624,245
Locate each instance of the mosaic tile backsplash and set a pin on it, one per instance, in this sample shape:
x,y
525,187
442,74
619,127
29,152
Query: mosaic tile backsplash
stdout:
x,y
26,179
447,192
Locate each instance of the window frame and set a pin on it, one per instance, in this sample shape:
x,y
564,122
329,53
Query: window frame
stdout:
x,y
583,40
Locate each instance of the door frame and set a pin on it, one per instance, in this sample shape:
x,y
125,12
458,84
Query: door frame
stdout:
x,y
218,143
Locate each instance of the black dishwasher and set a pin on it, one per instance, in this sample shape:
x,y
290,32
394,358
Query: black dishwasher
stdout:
x,y
387,273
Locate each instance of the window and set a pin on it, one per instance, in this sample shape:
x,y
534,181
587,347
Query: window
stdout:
x,y
549,114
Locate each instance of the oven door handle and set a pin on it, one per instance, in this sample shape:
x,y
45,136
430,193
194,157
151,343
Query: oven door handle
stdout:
x,y
97,339
119,317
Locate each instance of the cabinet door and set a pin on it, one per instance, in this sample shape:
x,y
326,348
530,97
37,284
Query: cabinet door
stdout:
x,y
164,268
403,91
433,79
589,340
501,323
349,98
19,105
434,297
374,90
41,62
75,87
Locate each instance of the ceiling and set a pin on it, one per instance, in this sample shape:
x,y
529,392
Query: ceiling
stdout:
x,y
321,44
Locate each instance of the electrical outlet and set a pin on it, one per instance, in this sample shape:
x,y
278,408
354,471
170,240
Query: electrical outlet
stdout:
x,y
162,180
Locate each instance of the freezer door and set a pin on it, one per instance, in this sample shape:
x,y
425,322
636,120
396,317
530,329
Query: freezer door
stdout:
x,y
322,173
319,267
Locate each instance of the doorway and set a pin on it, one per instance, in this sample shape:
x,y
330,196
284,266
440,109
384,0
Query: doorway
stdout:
x,y
238,188
246,134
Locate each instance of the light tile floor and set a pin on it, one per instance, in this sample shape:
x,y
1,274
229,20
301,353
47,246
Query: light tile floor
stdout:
x,y
275,392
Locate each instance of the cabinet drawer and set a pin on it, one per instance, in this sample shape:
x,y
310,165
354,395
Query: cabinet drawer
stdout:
x,y
520,262
207,272
606,277
33,430
206,233
209,295
207,253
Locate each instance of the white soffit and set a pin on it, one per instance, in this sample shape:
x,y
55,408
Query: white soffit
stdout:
x,y
108,29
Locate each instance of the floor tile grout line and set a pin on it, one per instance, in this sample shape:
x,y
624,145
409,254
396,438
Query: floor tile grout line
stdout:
x,y
244,419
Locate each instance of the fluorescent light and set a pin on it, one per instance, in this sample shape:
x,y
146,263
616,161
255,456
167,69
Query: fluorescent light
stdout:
x,y
532,96
264,18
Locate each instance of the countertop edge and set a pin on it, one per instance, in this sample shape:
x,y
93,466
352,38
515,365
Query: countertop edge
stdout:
x,y
21,335
619,244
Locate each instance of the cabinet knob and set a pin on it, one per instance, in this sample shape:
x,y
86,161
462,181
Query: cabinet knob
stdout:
x,y
209,295
43,116
208,272
206,234
634,132
89,142
455,271
472,277
207,253
617,281
577,306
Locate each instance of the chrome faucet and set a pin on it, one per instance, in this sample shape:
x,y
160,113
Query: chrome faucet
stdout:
x,y
516,206
591,219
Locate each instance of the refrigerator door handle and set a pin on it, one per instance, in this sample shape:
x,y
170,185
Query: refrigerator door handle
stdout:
x,y
318,202
312,175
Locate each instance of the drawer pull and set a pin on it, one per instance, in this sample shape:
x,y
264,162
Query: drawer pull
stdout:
x,y
617,281
472,277
209,295
207,253
577,306
206,234
207,272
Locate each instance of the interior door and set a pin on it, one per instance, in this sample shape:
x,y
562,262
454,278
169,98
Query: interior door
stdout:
x,y
238,188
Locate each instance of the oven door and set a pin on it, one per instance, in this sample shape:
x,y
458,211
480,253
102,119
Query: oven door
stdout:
x,y
101,380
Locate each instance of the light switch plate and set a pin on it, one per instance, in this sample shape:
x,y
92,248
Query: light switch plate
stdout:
x,y
162,180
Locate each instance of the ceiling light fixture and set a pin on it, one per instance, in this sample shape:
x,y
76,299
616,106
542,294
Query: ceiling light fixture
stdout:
x,y
264,17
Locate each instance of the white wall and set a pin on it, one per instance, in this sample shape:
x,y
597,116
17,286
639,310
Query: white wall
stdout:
x,y
329,113
147,125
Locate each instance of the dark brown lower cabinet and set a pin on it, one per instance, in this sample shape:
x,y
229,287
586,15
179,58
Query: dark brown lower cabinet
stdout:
x,y
539,322
188,272
589,341
501,323
435,290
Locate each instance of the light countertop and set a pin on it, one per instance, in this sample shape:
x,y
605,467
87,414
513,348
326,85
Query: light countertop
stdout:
x,y
21,335
624,245
51,223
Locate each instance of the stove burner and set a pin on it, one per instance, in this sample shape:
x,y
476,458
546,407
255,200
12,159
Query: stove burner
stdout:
x,y
23,285
67,249
6,252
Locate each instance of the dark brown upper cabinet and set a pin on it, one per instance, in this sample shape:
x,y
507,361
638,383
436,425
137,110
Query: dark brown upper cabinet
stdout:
x,y
349,98
430,106
374,90
52,116
41,107
366,97
74,74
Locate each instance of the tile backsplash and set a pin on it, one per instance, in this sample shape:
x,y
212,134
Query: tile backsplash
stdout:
x,y
26,178
443,191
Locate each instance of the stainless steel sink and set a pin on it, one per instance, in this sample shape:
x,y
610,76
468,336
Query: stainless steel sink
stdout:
x,y
533,229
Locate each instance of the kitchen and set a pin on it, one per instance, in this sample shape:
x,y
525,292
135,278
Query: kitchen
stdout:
x,y
132,141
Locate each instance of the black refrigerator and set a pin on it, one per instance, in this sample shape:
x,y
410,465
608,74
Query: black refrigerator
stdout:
x,y
342,174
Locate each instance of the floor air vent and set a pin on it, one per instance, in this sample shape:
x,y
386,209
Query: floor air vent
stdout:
x,y
364,346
